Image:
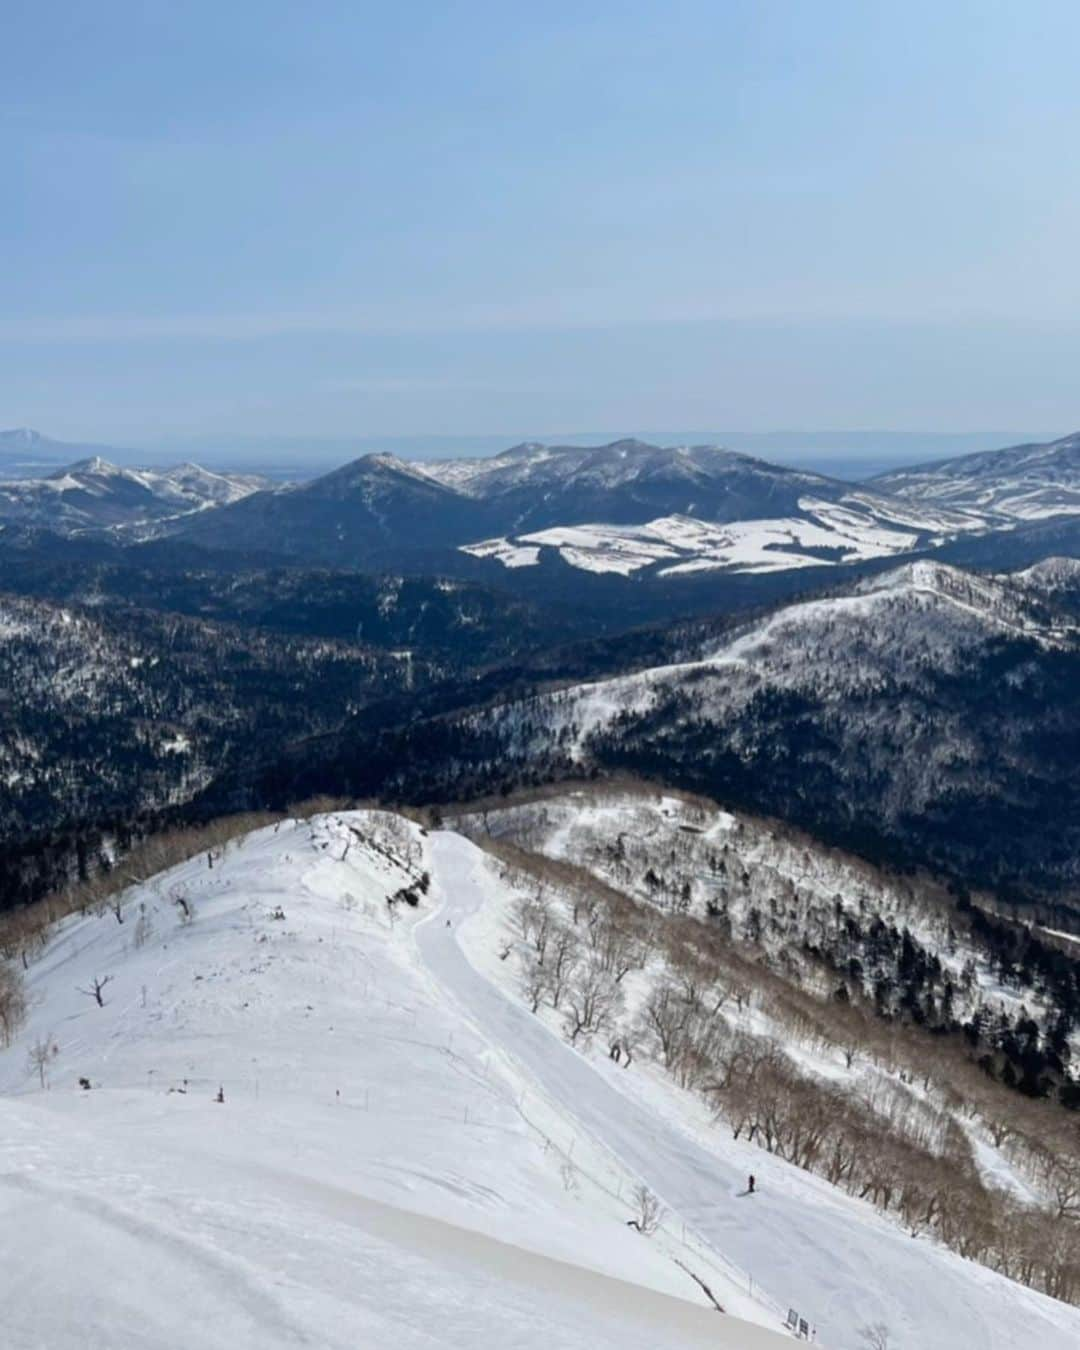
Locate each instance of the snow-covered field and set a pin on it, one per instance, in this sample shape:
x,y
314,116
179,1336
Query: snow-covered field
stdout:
x,y
404,1155
854,529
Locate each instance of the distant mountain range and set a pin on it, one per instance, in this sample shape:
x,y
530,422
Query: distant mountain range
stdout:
x,y
804,646
626,510
93,494
633,509
25,453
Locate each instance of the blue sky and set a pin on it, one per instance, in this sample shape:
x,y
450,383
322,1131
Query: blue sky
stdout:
x,y
350,219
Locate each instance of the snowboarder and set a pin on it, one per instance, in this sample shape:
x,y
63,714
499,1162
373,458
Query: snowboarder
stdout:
x,y
751,1187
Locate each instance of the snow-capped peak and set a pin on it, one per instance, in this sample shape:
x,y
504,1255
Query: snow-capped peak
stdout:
x,y
93,465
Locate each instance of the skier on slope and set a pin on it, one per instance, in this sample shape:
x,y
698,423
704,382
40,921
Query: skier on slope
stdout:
x,y
750,1190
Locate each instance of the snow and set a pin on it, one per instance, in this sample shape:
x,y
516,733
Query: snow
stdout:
x,y
808,1245
381,1172
93,492
1001,488
604,548
918,612
845,531
578,827
1058,933
502,550
1051,574
899,513
388,1166
11,626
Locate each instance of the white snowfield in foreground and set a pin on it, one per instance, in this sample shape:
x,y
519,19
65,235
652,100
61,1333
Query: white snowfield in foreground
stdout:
x,y
405,1156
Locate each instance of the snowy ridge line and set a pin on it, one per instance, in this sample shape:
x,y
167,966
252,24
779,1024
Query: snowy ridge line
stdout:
x,y
410,1225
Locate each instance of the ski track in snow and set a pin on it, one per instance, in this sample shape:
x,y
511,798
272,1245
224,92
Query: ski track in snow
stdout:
x,y
437,1214
832,1257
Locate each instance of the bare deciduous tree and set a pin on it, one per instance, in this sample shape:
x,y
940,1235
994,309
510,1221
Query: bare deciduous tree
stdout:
x,y
144,927
563,958
667,1014
1062,1182
592,1000
618,950
12,1002
97,989
648,1212
535,981
533,921
40,1055
183,906
876,1336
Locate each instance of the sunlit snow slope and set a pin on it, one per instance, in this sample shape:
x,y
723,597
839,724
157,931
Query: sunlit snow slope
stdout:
x,y
404,1155
381,1172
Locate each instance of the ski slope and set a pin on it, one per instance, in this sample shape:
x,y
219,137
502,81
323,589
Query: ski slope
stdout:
x,y
405,1156
371,1178
806,1244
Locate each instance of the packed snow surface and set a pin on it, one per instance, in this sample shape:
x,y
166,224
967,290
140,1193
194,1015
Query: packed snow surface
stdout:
x,y
404,1156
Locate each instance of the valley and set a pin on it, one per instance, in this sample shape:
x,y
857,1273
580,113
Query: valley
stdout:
x,y
489,858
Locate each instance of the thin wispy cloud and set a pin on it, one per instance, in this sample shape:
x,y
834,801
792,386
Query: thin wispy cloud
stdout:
x,y
576,313
756,213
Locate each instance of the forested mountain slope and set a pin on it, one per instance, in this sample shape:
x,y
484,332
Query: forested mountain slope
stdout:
x,y
927,715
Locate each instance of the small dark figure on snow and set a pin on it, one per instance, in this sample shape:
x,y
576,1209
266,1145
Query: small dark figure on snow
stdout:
x,y
752,1183
220,1095
448,923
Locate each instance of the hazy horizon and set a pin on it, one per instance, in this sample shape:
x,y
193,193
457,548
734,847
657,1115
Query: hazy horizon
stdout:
x,y
854,454
307,222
